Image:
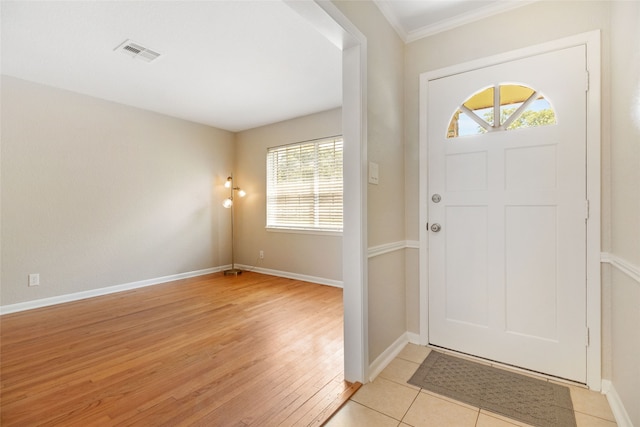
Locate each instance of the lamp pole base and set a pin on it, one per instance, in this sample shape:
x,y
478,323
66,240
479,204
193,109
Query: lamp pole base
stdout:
x,y
233,272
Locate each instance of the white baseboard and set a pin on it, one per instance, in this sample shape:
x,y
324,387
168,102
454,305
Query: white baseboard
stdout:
x,y
617,407
45,302
289,275
387,356
414,338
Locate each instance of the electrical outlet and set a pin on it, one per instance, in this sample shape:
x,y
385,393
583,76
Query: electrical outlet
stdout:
x,y
261,254
34,279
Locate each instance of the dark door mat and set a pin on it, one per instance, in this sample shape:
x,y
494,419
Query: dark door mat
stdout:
x,y
536,402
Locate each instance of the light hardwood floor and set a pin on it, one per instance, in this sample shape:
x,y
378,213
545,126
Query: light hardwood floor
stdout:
x,y
212,350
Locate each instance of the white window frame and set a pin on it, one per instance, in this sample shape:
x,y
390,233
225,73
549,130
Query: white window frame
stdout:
x,y
272,223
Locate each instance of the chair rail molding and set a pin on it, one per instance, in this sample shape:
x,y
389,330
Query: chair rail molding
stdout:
x,y
621,264
386,248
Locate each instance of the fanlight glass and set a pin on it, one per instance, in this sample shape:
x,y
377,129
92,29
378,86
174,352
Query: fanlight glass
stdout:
x,y
516,106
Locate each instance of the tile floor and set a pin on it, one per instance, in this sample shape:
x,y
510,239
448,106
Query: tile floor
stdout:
x,y
390,401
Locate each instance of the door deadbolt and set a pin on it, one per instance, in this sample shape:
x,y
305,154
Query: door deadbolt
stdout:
x,y
436,198
435,227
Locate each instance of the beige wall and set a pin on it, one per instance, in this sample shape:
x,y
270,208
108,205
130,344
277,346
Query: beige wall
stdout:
x,y
625,131
625,204
96,194
306,254
625,339
385,146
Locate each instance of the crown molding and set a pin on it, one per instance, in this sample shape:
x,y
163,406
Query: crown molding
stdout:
x,y
446,24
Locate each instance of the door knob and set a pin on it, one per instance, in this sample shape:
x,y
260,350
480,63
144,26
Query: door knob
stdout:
x,y
435,227
436,198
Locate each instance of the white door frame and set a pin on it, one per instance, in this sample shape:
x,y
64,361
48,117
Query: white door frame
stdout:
x,y
329,21
592,42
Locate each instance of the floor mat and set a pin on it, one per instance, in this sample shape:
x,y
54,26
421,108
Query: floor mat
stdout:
x,y
533,401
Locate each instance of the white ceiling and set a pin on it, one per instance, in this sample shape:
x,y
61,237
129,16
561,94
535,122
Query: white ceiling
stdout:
x,y
230,64
234,65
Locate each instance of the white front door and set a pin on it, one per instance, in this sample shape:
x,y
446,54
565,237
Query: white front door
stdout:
x,y
507,278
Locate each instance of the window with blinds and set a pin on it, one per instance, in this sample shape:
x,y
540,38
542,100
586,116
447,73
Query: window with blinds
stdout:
x,y
304,185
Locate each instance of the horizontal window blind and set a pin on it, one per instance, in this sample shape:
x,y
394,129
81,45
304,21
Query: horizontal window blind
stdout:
x,y
304,185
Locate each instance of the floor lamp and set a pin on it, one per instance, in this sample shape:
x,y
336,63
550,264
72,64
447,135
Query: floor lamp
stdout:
x,y
228,203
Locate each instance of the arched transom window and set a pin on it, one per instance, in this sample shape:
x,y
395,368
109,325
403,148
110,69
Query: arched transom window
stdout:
x,y
500,108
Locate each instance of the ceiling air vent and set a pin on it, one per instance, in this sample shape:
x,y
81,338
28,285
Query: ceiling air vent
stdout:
x,y
136,50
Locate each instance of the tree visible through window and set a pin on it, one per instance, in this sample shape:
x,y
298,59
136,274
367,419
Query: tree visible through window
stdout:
x,y
518,106
304,185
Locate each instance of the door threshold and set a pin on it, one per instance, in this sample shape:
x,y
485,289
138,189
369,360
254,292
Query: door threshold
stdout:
x,y
507,367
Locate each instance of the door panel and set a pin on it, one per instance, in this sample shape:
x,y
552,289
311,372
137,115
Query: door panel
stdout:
x,y
530,270
466,171
507,269
531,168
466,243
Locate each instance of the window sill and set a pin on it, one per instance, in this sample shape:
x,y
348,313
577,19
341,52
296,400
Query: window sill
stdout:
x,y
304,231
